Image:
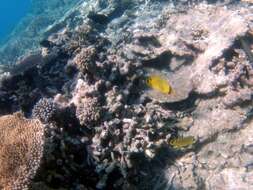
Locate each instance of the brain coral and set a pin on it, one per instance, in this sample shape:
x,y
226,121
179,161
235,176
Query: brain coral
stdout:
x,y
21,150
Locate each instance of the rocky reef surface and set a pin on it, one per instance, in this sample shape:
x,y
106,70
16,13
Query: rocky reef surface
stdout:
x,y
104,128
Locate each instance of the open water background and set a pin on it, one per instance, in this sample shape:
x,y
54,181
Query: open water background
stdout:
x,y
11,12
24,22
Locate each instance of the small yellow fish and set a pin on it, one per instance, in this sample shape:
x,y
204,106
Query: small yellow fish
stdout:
x,y
158,83
182,142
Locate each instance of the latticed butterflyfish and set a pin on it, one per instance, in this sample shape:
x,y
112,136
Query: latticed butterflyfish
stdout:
x,y
182,142
159,84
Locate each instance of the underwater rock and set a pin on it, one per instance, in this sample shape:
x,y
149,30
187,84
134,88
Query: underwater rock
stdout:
x,y
186,53
213,118
221,75
229,157
238,98
237,26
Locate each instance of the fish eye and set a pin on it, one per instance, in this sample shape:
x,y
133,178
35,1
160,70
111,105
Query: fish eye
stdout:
x,y
148,80
172,142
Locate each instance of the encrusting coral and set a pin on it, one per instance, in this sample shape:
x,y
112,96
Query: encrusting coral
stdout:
x,y
21,150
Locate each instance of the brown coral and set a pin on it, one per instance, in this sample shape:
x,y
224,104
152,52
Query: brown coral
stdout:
x,y
88,105
85,60
89,111
21,150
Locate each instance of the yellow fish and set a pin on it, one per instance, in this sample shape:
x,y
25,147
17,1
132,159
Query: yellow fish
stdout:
x,y
182,142
158,83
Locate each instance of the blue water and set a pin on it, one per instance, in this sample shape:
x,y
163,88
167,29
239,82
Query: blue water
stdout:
x,y
11,12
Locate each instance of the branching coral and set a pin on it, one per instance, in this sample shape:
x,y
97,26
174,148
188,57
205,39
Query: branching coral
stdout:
x,y
21,150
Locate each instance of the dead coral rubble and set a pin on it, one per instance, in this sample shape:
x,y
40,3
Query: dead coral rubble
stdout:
x,y
21,150
114,127
209,56
221,76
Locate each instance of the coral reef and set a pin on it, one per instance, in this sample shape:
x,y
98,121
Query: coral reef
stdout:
x,y
85,60
112,131
44,110
21,150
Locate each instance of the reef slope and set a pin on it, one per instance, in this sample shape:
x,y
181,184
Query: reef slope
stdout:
x,y
106,129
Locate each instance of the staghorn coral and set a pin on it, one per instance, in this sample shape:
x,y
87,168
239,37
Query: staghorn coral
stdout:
x,y
21,150
44,109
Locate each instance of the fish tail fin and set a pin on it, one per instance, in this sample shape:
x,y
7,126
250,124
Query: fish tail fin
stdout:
x,y
173,92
